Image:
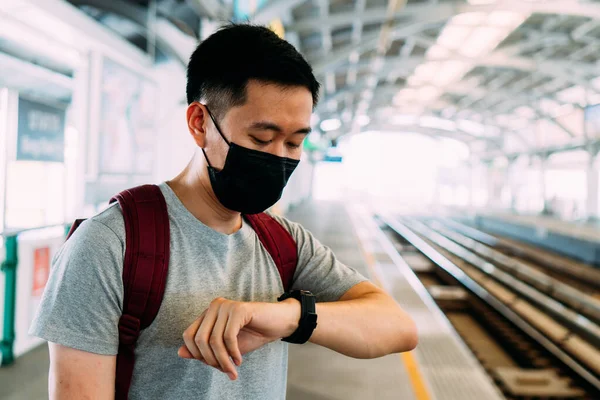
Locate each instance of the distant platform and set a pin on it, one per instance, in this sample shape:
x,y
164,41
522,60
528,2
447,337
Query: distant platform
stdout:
x,y
580,241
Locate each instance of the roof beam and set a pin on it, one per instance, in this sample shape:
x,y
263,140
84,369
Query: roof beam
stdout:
x,y
210,8
458,135
580,144
568,71
169,38
447,10
273,10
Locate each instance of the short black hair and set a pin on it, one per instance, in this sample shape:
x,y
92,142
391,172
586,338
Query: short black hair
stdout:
x,y
221,66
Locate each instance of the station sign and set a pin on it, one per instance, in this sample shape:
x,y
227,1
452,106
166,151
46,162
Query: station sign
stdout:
x,y
41,132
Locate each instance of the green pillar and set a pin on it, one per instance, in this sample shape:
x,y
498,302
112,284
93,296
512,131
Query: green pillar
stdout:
x,y
9,267
67,229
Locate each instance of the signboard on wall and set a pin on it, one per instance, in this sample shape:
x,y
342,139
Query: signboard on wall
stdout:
x,y
41,270
127,122
36,250
127,133
41,132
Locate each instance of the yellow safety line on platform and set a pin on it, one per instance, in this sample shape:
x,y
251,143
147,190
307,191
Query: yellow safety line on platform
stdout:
x,y
414,374
410,363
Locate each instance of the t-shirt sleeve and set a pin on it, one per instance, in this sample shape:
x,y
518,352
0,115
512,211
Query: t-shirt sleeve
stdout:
x,y
82,302
318,270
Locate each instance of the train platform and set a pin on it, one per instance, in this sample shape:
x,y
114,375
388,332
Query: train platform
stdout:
x,y
441,367
580,241
580,230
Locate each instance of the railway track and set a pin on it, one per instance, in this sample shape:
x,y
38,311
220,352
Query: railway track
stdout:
x,y
570,271
534,332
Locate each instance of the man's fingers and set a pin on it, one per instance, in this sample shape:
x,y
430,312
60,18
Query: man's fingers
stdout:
x,y
203,336
217,344
230,338
189,336
183,352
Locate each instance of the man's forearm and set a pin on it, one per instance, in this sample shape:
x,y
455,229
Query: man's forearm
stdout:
x,y
367,327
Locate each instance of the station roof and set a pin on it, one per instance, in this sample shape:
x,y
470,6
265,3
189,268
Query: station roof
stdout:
x,y
505,76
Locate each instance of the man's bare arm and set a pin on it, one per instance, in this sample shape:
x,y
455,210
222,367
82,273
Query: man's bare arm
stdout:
x,y
76,374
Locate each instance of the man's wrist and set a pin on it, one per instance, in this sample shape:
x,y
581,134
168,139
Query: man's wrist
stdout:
x,y
292,310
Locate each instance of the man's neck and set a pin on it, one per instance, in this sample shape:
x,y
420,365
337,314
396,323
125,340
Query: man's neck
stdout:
x,y
192,187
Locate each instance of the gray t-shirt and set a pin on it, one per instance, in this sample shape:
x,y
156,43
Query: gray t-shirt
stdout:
x,y
83,300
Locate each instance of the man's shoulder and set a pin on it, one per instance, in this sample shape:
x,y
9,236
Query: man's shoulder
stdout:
x,y
106,228
294,228
112,219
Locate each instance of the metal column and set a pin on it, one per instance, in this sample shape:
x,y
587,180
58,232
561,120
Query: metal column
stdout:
x,y
593,175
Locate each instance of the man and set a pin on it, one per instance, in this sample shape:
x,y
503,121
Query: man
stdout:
x,y
217,334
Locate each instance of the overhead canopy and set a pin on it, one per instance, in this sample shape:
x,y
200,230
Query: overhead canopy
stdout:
x,y
506,76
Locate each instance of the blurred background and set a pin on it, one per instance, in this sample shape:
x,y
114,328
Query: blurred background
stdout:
x,y
452,137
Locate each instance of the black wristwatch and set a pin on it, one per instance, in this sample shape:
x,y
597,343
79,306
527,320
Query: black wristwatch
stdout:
x,y
308,315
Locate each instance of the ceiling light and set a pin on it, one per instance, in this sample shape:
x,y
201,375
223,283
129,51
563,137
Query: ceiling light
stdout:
x,y
453,36
363,120
428,93
470,18
437,52
483,39
402,119
413,109
574,94
414,80
593,99
525,112
367,95
438,123
377,64
450,71
347,116
479,146
506,18
427,71
492,131
405,95
548,106
372,81
474,128
448,112
331,124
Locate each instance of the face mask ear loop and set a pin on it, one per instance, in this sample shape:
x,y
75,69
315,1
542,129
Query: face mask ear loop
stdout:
x,y
206,158
220,133
218,129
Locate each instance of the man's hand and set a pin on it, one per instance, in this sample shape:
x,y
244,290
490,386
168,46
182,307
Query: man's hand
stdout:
x,y
228,329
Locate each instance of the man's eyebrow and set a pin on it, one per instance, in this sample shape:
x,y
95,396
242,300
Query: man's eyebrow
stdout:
x,y
269,126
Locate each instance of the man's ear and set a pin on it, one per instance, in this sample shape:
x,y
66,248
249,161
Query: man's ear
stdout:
x,y
197,116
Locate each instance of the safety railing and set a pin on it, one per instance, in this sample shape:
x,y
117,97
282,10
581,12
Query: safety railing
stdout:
x,y
8,273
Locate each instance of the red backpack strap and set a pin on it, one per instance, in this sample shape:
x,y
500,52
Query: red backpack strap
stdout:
x,y
279,243
147,244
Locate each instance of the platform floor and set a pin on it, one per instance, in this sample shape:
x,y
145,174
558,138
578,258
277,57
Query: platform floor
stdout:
x,y
319,373
585,231
440,368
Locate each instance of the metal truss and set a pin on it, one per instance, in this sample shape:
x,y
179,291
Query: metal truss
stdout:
x,y
370,55
556,47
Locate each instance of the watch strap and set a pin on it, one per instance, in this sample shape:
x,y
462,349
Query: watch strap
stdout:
x,y
308,316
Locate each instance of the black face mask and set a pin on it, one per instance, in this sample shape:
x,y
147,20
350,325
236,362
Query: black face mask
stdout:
x,y
251,181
